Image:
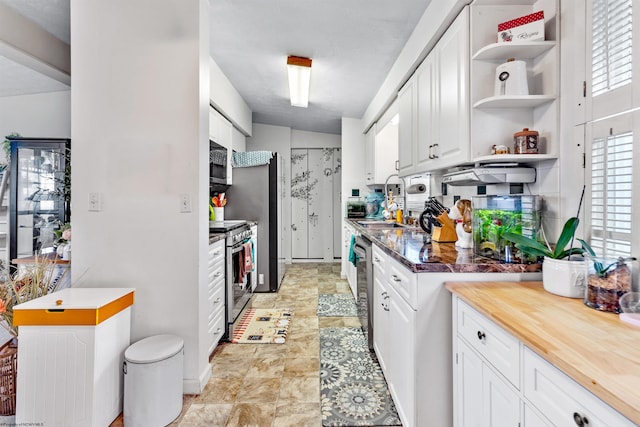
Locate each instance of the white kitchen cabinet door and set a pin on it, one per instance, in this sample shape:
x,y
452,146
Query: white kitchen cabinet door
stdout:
x,y
469,387
451,144
407,127
427,112
369,155
501,405
381,331
402,360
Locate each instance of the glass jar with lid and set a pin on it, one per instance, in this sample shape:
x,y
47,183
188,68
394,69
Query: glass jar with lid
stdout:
x,y
525,142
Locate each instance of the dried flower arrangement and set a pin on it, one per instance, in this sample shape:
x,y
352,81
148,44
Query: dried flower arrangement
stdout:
x,y
28,282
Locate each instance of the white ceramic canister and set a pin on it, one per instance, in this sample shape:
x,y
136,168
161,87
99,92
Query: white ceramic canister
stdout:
x,y
511,78
563,277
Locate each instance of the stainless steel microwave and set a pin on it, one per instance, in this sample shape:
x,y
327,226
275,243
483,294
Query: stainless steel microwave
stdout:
x,y
217,163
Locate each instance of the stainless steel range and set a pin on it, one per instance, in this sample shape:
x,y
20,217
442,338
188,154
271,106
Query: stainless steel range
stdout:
x,y
239,286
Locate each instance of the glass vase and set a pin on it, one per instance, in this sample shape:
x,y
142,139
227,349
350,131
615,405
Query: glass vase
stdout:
x,y
608,278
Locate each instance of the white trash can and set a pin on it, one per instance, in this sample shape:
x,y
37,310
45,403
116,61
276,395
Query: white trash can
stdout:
x,y
153,381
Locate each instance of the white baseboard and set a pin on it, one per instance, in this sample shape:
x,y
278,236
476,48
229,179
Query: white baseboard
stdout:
x,y
190,386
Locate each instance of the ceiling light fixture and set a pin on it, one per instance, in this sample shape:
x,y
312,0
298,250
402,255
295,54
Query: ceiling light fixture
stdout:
x,y
299,70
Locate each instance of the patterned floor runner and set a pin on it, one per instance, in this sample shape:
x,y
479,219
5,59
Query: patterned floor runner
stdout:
x,y
263,326
353,390
336,305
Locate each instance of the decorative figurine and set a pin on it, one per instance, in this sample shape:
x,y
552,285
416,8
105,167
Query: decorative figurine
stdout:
x,y
461,214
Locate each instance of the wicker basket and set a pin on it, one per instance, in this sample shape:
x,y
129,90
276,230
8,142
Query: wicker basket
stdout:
x,y
8,377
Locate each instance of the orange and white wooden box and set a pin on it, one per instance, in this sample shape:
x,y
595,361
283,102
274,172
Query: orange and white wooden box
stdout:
x,y
70,354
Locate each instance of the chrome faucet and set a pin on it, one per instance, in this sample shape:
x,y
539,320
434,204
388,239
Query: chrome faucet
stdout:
x,y
386,193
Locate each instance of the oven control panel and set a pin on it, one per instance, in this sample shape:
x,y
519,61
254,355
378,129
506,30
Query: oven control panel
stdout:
x,y
239,236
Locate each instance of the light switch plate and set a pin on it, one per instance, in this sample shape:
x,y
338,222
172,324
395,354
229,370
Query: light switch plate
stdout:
x,y
95,202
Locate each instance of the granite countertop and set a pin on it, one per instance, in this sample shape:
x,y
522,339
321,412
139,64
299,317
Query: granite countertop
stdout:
x,y
214,237
595,348
407,245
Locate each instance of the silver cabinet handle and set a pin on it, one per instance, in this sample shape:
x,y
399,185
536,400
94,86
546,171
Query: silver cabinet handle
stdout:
x,y
216,253
218,273
217,300
435,156
376,259
218,331
396,278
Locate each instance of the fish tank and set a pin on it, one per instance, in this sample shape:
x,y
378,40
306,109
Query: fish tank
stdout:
x,y
495,215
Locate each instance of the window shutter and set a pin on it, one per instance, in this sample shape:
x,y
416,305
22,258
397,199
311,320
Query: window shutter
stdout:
x,y
611,188
611,45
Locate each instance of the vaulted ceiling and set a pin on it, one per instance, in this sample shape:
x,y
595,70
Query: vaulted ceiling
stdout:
x,y
353,45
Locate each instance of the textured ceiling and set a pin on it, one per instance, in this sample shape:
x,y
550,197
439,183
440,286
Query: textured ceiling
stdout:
x,y
353,45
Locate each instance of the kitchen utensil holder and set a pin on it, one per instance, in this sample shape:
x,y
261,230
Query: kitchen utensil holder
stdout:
x,y
446,233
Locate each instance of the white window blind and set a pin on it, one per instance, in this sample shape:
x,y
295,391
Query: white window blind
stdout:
x,y
611,201
611,45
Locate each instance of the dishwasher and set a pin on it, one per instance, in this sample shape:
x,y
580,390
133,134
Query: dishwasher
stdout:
x,y
364,286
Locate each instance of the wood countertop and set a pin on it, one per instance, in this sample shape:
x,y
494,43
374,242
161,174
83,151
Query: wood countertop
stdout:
x,y
595,348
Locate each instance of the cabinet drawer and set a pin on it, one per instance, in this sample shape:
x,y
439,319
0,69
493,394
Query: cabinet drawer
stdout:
x,y
216,301
403,281
216,252
216,273
378,259
562,400
216,330
500,349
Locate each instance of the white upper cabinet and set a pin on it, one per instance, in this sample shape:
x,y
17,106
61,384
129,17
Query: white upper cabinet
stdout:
x,y
495,118
434,107
381,149
407,127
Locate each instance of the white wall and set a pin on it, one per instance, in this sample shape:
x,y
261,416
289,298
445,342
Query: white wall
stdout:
x,y
41,115
352,165
304,139
140,118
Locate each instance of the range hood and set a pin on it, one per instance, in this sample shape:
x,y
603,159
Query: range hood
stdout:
x,y
490,174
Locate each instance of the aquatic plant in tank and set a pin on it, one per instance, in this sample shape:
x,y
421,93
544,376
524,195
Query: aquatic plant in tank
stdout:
x,y
495,215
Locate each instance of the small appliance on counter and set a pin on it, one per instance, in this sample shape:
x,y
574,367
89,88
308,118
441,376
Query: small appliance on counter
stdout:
x,y
374,205
356,209
495,215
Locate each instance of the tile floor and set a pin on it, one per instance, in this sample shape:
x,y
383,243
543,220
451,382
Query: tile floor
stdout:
x,y
272,385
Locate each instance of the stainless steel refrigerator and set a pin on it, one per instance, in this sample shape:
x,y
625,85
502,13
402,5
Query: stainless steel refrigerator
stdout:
x,y
256,194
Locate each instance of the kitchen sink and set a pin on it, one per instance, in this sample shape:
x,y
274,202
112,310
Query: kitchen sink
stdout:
x,y
380,224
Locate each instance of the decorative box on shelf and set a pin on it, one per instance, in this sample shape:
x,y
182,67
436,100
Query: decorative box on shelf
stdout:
x,y
525,28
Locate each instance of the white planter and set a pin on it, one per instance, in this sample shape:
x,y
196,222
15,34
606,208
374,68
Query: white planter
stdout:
x,y
563,277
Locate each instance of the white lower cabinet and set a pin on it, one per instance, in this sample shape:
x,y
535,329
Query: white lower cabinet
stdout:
x,y
401,364
412,339
394,335
216,293
484,398
562,400
489,391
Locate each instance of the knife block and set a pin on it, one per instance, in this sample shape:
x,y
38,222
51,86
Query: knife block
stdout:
x,y
446,233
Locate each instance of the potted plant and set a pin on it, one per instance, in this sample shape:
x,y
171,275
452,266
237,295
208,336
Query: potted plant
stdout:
x,y
561,275
608,279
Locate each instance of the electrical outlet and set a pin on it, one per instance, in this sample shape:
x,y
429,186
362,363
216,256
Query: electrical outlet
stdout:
x,y
260,279
95,202
185,203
